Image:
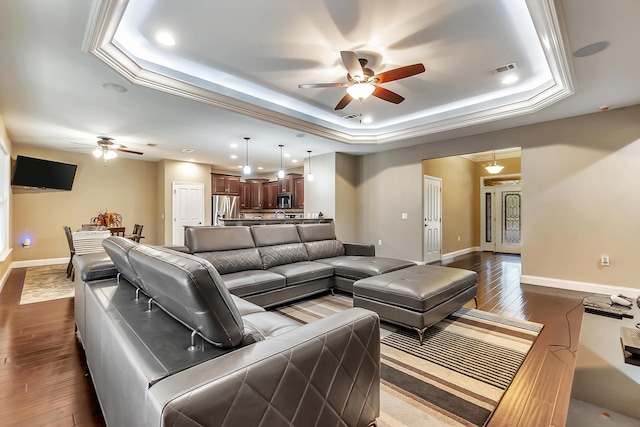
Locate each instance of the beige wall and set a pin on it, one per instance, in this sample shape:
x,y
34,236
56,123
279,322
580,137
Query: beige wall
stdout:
x,y
5,262
124,186
170,171
320,194
461,198
580,194
347,200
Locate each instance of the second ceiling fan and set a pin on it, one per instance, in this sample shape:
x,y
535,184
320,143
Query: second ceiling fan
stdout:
x,y
362,81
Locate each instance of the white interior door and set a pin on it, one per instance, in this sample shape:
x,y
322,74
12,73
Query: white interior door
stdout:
x,y
432,219
501,210
188,208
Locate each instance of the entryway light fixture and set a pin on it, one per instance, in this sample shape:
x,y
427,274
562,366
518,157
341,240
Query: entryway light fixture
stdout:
x,y
247,168
360,90
309,175
281,171
493,167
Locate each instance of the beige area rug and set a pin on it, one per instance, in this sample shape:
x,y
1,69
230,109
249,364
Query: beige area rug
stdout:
x,y
46,283
456,378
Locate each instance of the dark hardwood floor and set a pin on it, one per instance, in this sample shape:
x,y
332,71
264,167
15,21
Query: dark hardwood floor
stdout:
x,y
42,381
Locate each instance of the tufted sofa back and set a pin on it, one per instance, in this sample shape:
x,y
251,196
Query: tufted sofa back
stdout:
x,y
279,244
228,249
320,240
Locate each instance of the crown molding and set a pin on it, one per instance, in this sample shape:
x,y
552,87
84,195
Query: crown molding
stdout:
x,y
107,14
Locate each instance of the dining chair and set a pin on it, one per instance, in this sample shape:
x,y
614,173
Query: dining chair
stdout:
x,y
137,233
72,250
117,231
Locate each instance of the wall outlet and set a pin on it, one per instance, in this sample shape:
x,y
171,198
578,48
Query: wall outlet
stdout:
x,y
379,242
458,238
605,261
404,216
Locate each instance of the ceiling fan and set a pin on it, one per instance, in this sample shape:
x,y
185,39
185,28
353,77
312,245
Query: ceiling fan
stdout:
x,y
107,148
362,81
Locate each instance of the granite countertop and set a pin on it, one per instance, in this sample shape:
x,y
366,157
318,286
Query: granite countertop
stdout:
x,y
263,221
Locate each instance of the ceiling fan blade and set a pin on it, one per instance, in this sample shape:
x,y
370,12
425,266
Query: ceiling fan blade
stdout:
x,y
346,99
352,64
387,95
399,73
318,85
124,150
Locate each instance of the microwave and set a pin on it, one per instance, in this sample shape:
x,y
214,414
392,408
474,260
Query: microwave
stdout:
x,y
284,201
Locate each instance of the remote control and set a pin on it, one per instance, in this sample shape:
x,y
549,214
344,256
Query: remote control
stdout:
x,y
604,310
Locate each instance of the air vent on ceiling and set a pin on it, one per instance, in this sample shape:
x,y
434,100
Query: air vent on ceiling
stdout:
x,y
351,116
507,67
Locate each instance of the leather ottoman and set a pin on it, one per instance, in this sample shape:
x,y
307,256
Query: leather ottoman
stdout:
x,y
416,297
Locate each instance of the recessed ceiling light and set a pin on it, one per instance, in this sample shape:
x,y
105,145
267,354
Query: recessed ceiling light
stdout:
x,y
367,119
233,156
294,161
260,168
240,167
591,49
165,38
510,79
187,150
114,87
192,160
234,145
287,155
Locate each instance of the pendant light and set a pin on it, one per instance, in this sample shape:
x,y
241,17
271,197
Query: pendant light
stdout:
x,y
281,171
247,168
493,167
309,175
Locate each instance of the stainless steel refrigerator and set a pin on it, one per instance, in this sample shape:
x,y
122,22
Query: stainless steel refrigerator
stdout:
x,y
224,207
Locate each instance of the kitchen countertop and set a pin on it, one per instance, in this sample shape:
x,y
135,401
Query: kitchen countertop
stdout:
x,y
267,221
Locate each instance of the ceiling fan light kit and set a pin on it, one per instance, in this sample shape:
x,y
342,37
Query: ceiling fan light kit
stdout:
x,y
360,90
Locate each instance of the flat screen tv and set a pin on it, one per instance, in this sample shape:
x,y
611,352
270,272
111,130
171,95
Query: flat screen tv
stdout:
x,y
40,173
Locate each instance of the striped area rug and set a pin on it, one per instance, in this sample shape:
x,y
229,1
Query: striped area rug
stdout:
x,y
456,378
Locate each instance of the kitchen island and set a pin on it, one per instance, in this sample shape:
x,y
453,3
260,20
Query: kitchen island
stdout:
x,y
271,221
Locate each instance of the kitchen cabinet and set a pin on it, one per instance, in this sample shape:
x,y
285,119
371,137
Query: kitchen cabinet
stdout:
x,y
269,194
225,184
287,184
256,195
298,192
245,196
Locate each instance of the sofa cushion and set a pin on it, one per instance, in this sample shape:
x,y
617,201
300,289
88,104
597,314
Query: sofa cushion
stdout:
x,y
95,266
282,254
210,239
118,249
234,260
300,272
250,282
267,324
191,290
359,267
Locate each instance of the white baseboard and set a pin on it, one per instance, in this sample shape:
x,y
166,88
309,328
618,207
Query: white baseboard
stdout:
x,y
39,262
460,252
572,285
4,278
